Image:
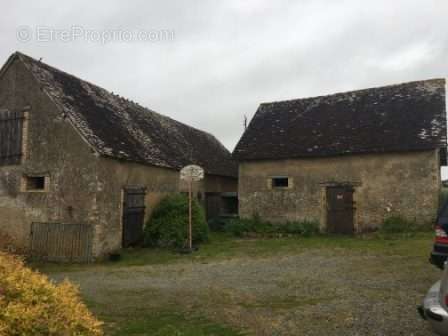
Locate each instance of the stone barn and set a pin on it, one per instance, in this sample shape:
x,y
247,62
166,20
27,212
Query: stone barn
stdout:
x,y
347,160
82,168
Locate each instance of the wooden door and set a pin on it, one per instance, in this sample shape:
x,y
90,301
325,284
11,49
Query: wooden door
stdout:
x,y
133,215
212,205
340,209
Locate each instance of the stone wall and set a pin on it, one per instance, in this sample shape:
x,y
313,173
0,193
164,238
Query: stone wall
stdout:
x,y
53,149
405,184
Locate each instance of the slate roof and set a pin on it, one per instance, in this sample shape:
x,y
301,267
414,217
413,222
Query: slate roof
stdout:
x,y
396,118
121,129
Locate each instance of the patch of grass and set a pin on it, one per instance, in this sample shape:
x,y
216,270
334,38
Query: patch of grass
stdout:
x,y
304,228
225,246
219,223
290,302
398,227
146,256
240,227
171,323
148,311
398,224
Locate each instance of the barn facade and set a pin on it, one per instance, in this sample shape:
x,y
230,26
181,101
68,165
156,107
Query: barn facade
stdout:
x,y
348,160
81,168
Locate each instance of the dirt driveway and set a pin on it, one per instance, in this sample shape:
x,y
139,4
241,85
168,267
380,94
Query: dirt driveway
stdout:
x,y
317,290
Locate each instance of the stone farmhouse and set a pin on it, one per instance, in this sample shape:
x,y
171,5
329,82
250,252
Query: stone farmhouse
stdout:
x,y
82,168
347,160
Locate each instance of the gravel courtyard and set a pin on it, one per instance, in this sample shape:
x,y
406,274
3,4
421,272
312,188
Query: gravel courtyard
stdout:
x,y
354,287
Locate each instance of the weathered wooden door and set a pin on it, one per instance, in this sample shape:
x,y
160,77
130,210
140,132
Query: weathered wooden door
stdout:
x,y
133,215
212,205
340,209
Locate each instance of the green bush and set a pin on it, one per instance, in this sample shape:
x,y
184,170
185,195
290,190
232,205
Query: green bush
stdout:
x,y
397,225
168,225
219,223
303,228
240,227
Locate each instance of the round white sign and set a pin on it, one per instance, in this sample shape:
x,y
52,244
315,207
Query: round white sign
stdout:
x,y
192,173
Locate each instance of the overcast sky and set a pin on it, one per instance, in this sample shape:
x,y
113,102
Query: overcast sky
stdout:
x,y
209,63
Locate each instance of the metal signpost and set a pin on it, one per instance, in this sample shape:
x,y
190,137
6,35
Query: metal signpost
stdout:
x,y
190,174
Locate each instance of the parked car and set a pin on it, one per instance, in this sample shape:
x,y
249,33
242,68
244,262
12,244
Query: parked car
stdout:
x,y
439,252
435,305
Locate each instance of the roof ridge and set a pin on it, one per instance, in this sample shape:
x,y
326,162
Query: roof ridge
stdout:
x,y
341,93
20,54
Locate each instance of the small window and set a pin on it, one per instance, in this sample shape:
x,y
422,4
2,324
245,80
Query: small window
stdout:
x,y
280,182
35,183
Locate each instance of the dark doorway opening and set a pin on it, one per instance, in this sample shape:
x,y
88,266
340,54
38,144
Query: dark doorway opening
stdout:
x,y
230,204
133,215
221,204
340,209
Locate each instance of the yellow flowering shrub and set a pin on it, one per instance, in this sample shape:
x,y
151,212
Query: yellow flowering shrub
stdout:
x,y
31,305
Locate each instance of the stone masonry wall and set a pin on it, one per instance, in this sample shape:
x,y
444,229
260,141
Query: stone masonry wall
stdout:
x,y
54,149
405,184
